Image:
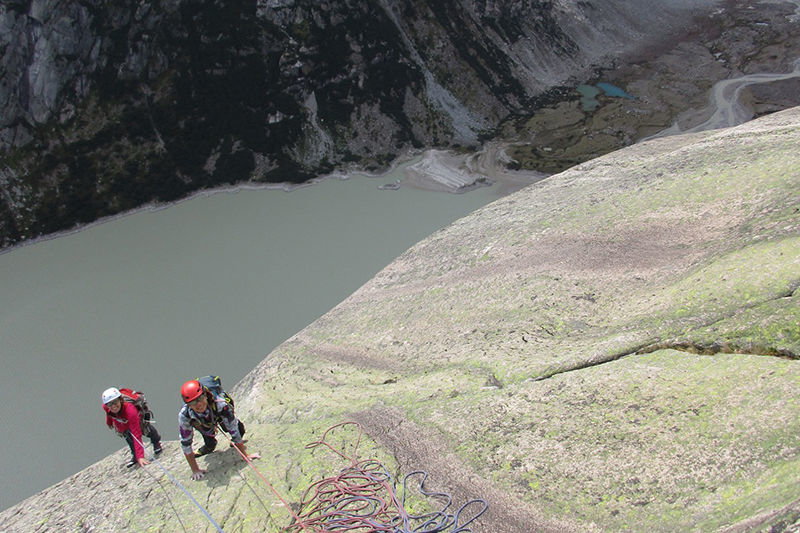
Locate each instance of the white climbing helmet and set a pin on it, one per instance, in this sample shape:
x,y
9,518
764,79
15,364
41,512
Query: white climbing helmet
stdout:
x,y
109,395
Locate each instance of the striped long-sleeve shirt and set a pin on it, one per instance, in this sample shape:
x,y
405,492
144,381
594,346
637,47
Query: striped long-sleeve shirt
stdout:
x,y
206,422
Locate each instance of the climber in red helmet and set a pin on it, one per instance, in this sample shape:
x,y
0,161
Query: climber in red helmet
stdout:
x,y
205,407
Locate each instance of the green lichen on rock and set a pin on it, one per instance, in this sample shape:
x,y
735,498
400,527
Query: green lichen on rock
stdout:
x,y
635,443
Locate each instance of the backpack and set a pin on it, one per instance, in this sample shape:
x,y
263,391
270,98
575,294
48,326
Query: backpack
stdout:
x,y
140,402
214,386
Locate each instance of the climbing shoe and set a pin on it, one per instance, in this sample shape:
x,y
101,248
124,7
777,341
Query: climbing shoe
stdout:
x,y
157,449
131,463
204,449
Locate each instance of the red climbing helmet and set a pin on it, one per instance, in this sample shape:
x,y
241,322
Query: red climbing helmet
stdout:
x,y
191,390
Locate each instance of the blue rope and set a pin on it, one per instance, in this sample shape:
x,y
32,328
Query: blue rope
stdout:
x,y
180,486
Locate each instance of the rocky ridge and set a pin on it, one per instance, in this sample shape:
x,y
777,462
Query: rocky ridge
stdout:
x,y
613,348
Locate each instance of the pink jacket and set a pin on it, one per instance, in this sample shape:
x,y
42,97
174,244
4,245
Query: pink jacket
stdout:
x,y
127,419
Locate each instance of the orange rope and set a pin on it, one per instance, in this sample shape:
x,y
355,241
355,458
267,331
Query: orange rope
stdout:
x,y
264,479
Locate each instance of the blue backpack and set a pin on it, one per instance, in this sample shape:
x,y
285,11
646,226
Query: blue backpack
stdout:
x,y
214,385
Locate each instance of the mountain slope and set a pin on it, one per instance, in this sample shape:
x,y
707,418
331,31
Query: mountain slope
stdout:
x,y
104,108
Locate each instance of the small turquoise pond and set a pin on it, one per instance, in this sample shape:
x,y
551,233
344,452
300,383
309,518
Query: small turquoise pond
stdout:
x,y
589,94
613,90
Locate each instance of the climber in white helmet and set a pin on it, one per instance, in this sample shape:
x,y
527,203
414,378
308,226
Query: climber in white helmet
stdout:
x,y
127,413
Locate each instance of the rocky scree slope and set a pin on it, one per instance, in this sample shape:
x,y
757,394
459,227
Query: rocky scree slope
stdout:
x,y
106,107
614,348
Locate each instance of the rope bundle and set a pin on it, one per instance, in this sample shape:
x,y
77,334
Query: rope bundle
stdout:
x,y
362,499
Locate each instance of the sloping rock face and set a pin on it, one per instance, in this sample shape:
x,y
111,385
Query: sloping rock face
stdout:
x,y
105,107
614,348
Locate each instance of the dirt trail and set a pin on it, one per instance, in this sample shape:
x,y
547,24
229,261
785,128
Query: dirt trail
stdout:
x,y
416,449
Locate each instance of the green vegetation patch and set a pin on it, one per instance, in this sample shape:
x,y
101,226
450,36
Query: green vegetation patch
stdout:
x,y
771,328
743,278
645,442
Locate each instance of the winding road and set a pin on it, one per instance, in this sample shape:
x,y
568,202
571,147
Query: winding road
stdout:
x,y
726,104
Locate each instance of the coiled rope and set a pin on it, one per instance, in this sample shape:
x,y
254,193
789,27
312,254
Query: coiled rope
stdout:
x,y
361,498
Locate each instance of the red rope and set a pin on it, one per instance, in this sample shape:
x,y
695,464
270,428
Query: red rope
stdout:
x,y
264,479
359,499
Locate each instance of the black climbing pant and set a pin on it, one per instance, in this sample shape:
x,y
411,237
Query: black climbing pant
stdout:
x,y
151,432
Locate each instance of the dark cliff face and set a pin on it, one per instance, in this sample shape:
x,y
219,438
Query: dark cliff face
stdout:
x,y
105,107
